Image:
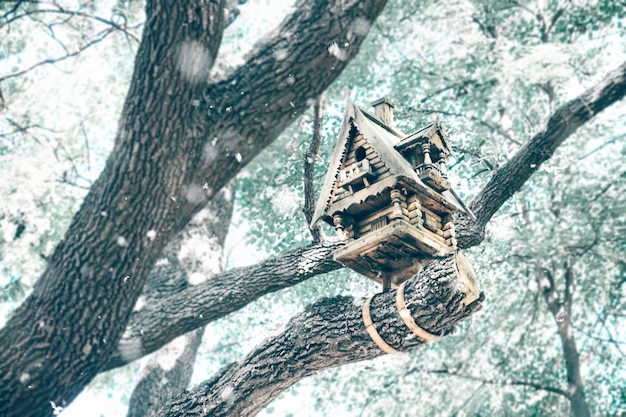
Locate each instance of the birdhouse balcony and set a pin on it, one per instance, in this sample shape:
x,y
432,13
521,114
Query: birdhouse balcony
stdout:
x,y
356,174
433,176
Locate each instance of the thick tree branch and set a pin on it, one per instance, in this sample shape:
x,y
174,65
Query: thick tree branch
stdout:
x,y
179,312
99,37
510,177
327,334
282,77
469,233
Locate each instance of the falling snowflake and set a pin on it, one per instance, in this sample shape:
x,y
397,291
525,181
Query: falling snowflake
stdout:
x,y
361,26
121,241
194,61
337,52
56,410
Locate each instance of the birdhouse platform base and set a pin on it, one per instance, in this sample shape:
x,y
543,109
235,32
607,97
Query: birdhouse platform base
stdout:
x,y
396,251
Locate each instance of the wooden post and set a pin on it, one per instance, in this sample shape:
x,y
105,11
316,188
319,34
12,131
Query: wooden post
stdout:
x,y
396,200
426,150
339,226
442,166
386,278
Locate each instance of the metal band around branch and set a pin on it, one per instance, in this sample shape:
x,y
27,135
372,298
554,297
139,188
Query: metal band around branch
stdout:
x,y
408,320
371,330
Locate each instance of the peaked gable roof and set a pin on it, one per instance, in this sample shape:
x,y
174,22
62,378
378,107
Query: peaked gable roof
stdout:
x,y
384,141
426,132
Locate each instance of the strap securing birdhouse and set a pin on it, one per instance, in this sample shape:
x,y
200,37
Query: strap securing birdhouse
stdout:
x,y
408,320
371,330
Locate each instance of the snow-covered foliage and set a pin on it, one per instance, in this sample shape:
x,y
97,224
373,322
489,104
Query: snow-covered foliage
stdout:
x,y
488,70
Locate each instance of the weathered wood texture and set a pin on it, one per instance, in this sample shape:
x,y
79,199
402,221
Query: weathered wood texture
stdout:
x,y
329,333
179,141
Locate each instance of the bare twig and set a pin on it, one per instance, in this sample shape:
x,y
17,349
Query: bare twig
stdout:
x,y
599,147
490,381
88,156
101,36
309,168
24,129
70,14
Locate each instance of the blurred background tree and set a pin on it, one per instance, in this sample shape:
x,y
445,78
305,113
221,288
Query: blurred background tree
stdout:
x,y
492,71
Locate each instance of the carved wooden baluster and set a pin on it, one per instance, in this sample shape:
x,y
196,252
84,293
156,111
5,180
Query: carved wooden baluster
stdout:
x,y
442,166
339,226
426,150
396,200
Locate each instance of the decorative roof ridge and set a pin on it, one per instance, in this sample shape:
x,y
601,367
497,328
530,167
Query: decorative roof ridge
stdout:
x,y
335,162
375,119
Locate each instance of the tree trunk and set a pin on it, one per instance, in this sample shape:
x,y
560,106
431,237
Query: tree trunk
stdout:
x,y
56,341
179,141
562,312
165,374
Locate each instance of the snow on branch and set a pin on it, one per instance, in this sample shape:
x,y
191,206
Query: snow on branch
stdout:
x,y
161,320
163,326
327,334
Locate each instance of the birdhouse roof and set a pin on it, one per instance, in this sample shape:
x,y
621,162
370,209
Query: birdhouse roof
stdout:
x,y
385,141
433,133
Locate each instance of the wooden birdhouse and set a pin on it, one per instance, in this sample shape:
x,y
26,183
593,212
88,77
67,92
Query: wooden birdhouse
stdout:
x,y
387,195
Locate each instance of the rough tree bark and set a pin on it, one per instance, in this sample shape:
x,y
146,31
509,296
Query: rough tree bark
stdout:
x,y
186,309
298,265
168,371
331,333
536,151
179,142
303,263
54,343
